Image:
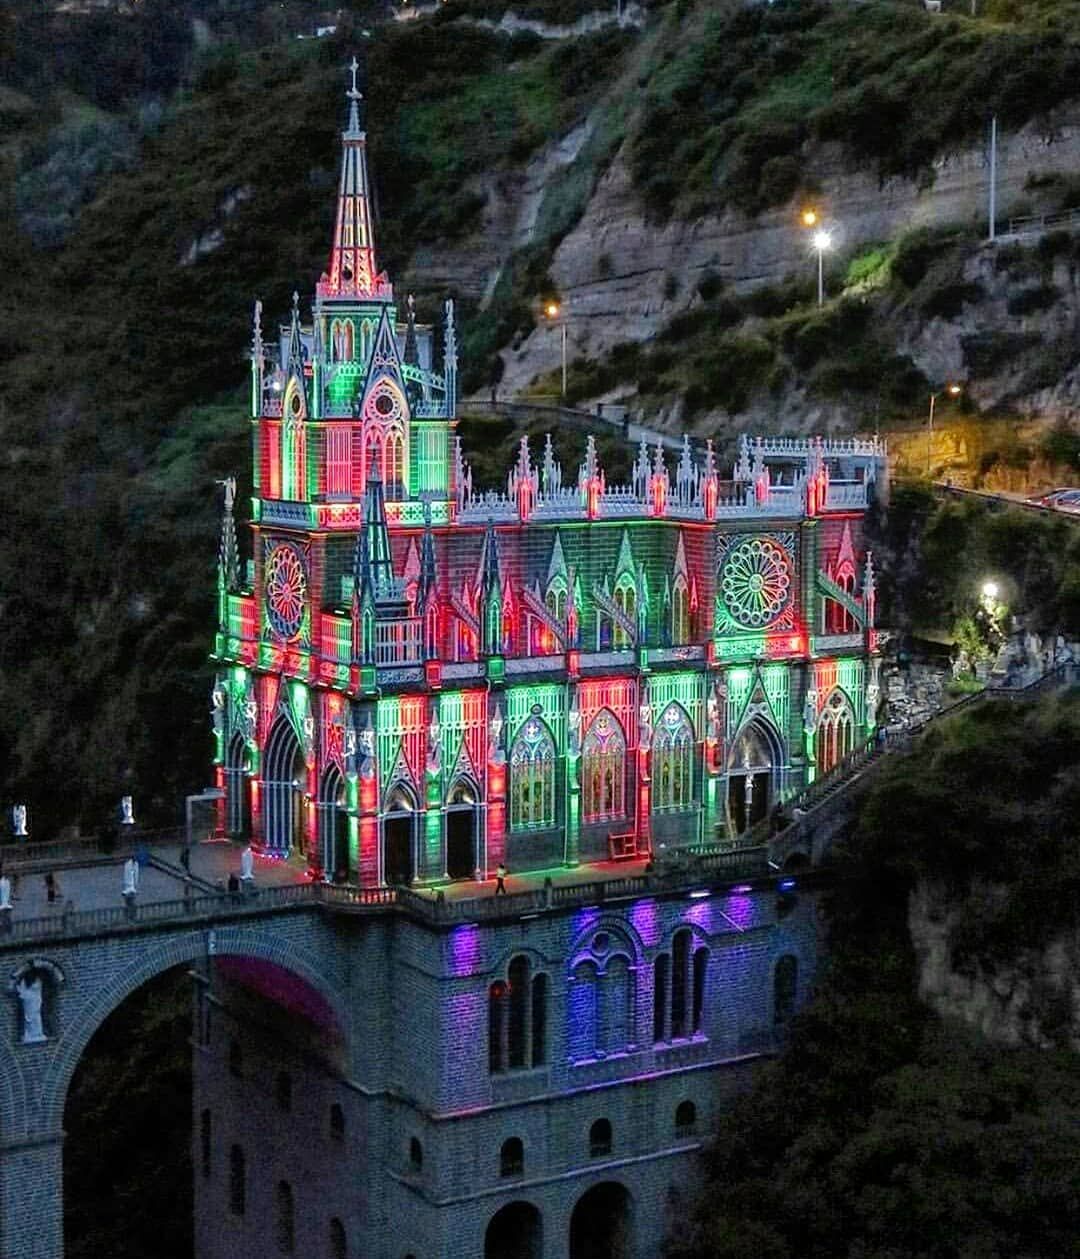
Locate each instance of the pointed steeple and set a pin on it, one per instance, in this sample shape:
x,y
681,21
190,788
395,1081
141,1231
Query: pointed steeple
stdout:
x,y
489,589
427,593
428,585
450,363
552,470
352,272
294,367
373,567
228,551
412,350
258,361
869,590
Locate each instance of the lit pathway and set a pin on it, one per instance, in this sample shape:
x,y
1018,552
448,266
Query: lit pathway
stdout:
x,y
95,882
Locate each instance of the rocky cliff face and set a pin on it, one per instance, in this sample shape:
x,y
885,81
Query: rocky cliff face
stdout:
x,y
1034,999
623,278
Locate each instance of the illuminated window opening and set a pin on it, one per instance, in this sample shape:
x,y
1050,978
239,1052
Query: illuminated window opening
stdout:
x,y
603,770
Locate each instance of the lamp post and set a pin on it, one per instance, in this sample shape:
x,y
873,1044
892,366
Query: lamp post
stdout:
x,y
822,241
552,312
952,391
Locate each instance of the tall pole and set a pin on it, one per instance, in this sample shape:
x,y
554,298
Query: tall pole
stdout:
x,y
564,359
820,276
993,176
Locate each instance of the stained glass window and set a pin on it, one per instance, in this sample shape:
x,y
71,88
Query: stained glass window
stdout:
x,y
626,599
672,765
603,770
532,777
836,731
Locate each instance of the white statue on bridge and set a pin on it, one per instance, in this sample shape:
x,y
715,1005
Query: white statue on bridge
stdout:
x,y
31,993
131,877
18,821
247,866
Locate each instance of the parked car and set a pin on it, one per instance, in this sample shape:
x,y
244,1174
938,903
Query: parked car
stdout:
x,y
1062,500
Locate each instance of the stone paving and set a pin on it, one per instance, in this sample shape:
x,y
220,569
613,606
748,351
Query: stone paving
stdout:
x,y
96,883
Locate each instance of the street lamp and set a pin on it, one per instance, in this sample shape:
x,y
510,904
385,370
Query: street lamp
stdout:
x,y
822,241
952,391
552,312
809,216
990,591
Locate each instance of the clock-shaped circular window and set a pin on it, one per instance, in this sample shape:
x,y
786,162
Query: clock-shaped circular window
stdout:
x,y
756,582
286,590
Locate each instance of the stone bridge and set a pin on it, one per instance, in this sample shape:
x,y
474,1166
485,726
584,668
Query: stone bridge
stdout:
x,y
89,961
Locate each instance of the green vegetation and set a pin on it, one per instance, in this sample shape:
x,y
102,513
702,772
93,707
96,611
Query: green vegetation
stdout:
x,y
733,350
937,554
881,1131
731,117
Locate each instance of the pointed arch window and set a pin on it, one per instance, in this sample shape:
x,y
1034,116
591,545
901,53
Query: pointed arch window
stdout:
x,y
532,777
373,454
236,786
835,732
626,601
603,770
341,340
673,761
838,620
555,598
394,457
680,612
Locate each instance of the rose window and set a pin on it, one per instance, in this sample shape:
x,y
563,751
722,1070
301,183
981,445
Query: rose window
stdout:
x,y
756,582
286,589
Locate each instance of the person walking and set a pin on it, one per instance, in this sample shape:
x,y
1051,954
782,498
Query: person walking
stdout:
x,y
52,888
500,879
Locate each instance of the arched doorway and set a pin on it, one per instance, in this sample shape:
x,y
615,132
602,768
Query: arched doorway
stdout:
x,y
399,833
283,789
752,767
333,825
515,1232
237,793
461,830
602,1226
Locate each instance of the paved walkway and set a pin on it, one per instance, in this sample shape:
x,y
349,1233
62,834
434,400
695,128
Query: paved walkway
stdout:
x,y
97,883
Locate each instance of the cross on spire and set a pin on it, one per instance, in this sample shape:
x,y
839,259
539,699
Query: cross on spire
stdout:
x,y
353,94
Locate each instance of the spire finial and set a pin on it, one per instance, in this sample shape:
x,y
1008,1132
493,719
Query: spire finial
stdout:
x,y
353,92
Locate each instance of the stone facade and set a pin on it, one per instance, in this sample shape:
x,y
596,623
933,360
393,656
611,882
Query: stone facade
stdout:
x,y
418,681
416,1162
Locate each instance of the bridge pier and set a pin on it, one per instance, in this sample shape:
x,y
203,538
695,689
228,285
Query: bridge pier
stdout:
x,y
31,1197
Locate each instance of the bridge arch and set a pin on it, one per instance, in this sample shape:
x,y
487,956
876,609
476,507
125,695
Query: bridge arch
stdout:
x,y
81,1022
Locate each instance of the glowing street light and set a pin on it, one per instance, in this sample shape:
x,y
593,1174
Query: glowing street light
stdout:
x,y
822,242
953,391
809,217
990,591
552,312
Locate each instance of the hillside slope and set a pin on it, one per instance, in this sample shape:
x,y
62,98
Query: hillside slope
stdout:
x,y
646,174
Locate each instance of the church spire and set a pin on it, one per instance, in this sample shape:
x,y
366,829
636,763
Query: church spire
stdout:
x,y
352,257
228,550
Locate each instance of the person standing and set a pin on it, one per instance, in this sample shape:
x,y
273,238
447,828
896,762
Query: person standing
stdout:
x,y
52,888
500,879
